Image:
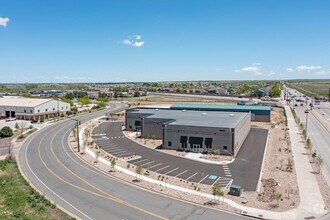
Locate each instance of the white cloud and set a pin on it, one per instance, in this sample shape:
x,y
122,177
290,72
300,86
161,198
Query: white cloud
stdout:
x,y
133,41
308,68
127,42
250,69
290,70
138,44
4,21
271,73
256,64
137,37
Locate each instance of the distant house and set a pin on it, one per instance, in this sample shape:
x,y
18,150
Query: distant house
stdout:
x,y
231,91
262,92
48,93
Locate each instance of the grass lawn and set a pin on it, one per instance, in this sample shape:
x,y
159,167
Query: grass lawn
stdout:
x,y
312,88
18,200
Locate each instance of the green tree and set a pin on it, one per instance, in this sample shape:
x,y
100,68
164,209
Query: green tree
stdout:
x,y
314,156
216,190
16,125
138,171
84,101
136,94
6,132
113,163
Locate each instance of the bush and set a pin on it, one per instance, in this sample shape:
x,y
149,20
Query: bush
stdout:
x,y
6,132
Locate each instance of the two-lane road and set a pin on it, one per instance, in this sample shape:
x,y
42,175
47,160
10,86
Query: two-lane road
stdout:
x,y
50,165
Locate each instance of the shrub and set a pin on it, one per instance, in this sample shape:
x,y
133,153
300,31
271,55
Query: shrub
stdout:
x,y
6,132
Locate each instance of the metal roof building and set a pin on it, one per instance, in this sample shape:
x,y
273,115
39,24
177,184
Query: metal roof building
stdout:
x,y
191,130
31,108
258,113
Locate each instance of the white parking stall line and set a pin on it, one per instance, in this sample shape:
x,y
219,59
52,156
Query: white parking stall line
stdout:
x,y
136,162
191,176
215,181
203,178
181,173
229,184
115,137
162,168
147,163
171,171
122,136
117,151
124,154
111,137
155,165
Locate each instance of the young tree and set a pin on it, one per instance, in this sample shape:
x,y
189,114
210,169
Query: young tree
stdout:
x,y
319,163
216,190
309,146
16,125
113,163
138,171
278,197
314,156
289,165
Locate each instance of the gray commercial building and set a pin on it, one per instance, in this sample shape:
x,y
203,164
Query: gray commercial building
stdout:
x,y
191,130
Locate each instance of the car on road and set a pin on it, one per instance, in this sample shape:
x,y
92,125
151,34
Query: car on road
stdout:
x,y
10,119
306,111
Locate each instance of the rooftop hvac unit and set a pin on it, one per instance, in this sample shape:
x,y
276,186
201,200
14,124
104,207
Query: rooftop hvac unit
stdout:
x,y
203,114
183,110
231,115
156,109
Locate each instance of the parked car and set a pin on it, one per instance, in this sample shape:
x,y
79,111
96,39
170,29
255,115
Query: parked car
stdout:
x,y
306,111
34,121
10,119
295,105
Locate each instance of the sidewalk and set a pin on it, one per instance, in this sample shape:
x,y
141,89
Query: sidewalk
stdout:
x,y
311,201
197,157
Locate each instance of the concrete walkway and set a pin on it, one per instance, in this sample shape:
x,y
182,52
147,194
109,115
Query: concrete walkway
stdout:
x,y
197,157
311,201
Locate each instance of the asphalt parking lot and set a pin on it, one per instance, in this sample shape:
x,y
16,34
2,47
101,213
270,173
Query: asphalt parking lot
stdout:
x,y
244,171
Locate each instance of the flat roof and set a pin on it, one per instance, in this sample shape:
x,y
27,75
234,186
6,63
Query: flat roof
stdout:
x,y
224,107
194,118
17,101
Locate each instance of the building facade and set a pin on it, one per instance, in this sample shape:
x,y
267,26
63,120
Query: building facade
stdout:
x,y
191,130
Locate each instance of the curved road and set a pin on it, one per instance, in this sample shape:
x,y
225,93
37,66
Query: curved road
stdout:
x,y
50,165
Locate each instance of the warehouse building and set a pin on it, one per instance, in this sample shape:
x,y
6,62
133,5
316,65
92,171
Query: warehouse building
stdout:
x,y
191,130
31,108
258,113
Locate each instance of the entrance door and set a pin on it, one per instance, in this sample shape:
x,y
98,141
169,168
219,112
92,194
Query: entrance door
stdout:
x,y
197,148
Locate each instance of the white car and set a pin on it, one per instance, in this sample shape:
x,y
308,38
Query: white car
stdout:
x,y
10,119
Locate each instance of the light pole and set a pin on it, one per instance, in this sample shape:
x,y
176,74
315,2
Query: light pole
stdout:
x,y
77,125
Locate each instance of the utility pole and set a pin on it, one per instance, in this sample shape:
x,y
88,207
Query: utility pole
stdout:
x,y
58,108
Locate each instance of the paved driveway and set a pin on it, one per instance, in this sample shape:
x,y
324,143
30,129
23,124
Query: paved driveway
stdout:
x,y
244,171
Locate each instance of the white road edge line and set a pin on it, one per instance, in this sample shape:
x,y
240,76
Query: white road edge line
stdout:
x,y
28,164
215,181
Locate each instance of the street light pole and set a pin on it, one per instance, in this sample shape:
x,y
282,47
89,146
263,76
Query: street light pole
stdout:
x,y
78,136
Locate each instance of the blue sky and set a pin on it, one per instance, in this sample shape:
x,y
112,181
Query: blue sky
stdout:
x,y
160,40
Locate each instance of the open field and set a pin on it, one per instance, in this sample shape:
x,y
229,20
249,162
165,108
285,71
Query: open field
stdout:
x,y
312,88
19,201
